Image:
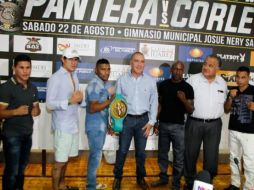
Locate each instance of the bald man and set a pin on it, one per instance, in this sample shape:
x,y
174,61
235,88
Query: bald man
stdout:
x,y
175,99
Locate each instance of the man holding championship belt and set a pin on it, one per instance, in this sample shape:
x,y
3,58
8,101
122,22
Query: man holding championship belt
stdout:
x,y
140,92
99,95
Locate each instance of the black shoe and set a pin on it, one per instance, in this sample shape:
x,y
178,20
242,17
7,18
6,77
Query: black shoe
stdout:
x,y
116,184
188,187
142,183
232,187
159,183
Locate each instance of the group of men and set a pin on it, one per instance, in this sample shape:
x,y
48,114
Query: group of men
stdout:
x,y
203,98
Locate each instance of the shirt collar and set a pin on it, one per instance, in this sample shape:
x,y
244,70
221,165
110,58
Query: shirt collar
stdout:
x,y
14,80
102,82
130,74
216,80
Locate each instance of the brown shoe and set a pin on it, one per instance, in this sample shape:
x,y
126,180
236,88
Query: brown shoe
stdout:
x,y
116,184
142,183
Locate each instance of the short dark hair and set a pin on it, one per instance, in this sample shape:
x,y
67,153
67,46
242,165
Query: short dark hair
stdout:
x,y
102,61
243,69
215,57
21,57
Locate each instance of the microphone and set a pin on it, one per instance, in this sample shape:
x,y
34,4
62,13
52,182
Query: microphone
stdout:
x,y
203,181
237,164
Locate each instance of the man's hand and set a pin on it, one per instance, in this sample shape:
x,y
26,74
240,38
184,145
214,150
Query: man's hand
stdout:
x,y
111,98
111,90
250,106
156,128
147,129
110,131
233,93
35,110
21,110
181,95
76,97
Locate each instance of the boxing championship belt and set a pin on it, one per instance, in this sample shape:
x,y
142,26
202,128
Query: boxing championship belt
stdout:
x,y
118,111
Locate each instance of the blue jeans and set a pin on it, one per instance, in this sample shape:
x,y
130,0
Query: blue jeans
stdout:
x,y
16,153
132,127
171,133
96,141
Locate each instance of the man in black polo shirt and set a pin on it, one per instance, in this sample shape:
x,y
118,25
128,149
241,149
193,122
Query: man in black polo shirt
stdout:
x,y
18,105
175,99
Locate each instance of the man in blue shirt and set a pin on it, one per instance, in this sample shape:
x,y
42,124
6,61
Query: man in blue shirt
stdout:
x,y
140,93
62,99
98,97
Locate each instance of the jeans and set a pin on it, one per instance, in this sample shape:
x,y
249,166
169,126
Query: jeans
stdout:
x,y
96,141
16,153
171,133
132,127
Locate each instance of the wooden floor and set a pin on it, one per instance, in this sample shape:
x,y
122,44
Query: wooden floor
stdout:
x,y
76,175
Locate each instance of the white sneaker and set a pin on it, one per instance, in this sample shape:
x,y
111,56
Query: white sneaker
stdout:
x,y
100,186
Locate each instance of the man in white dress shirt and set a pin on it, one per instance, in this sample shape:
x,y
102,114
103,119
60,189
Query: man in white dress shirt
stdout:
x,y
204,124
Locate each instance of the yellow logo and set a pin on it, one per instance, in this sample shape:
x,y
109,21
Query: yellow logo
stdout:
x,y
196,53
228,76
156,72
252,58
118,109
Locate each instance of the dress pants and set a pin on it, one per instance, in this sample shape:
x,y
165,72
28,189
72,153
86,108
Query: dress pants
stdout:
x,y
197,132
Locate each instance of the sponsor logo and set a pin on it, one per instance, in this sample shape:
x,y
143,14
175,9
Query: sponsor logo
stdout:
x,y
252,58
83,46
117,48
4,65
4,39
160,72
41,69
228,76
240,58
42,89
193,54
196,53
158,51
85,71
10,16
33,44
118,70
